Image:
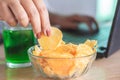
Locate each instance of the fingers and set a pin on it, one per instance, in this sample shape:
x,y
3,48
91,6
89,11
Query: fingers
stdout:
x,y
23,11
97,26
19,12
1,18
45,23
69,25
88,20
33,15
6,14
92,23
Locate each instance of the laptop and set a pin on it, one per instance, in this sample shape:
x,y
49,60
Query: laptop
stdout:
x,y
108,36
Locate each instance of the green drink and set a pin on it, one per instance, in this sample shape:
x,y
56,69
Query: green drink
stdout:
x,y
16,43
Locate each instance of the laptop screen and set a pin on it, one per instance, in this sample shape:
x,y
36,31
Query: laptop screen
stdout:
x,y
114,40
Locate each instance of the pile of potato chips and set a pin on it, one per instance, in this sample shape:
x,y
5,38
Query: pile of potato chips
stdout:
x,y
61,59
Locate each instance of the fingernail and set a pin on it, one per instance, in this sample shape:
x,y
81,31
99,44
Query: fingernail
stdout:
x,y
24,23
12,22
38,35
48,32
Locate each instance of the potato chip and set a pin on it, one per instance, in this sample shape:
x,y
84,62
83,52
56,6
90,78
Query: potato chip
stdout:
x,y
60,66
48,71
91,43
37,51
83,50
56,54
73,48
81,64
62,42
63,49
52,41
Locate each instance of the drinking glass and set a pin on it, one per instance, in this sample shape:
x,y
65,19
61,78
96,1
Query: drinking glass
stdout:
x,y
17,40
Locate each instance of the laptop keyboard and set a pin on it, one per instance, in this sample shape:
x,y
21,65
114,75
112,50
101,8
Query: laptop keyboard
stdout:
x,y
101,36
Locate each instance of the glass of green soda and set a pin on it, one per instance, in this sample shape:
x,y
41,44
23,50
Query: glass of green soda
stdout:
x,y
17,40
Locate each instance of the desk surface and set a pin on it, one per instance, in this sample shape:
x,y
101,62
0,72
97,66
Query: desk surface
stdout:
x,y
102,69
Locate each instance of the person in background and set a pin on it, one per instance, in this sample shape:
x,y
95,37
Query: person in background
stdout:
x,y
69,14
72,21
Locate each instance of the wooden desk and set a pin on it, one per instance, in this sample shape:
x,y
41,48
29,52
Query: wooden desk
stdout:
x,y
102,69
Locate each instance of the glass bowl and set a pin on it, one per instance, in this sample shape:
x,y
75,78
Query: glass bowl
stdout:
x,y
61,68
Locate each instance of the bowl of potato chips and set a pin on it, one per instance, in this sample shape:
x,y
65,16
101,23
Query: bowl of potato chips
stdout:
x,y
59,60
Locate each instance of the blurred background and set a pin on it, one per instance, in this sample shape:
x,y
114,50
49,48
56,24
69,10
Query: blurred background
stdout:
x,y
102,10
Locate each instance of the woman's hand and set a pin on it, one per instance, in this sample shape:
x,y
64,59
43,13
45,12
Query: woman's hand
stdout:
x,y
25,11
71,22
